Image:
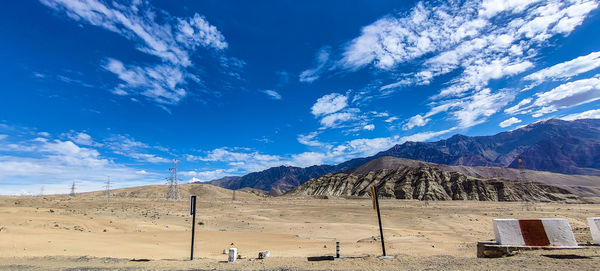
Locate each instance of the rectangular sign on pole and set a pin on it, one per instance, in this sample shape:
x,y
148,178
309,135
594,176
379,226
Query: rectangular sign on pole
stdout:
x,y
373,197
192,205
193,214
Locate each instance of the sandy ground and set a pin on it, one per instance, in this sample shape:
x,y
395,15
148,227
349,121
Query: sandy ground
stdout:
x,y
90,231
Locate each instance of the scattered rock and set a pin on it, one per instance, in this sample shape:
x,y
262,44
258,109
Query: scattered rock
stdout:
x,y
104,230
2,229
264,254
200,223
51,211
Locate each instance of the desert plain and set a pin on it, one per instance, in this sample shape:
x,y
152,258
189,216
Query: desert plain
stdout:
x,y
93,232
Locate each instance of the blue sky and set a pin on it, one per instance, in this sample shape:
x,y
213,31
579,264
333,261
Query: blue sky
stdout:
x,y
92,89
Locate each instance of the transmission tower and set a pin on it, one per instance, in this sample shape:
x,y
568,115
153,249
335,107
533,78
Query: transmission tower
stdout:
x,y
72,189
173,192
528,204
107,192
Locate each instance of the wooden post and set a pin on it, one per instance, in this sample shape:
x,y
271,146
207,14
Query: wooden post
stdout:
x,y
337,249
376,201
193,214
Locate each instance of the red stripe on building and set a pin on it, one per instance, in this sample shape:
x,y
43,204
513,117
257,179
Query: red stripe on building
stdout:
x,y
533,232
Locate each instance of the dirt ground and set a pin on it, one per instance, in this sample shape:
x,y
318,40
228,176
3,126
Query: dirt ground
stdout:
x,y
91,232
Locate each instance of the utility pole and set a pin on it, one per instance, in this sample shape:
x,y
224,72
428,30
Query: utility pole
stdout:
x,y
173,192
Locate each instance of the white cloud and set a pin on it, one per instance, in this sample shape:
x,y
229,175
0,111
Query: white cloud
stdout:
x,y
137,22
517,108
490,8
568,95
309,140
391,119
310,75
329,103
129,147
174,41
566,69
3,136
161,83
273,94
509,122
243,160
205,176
424,136
55,164
82,138
335,119
590,114
479,41
476,108
369,127
307,159
415,121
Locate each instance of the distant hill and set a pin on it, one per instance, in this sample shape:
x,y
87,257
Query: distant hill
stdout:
x,y
427,183
582,185
568,147
276,180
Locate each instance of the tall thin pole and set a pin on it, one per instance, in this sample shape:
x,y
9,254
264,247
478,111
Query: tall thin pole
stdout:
x,y
193,213
379,218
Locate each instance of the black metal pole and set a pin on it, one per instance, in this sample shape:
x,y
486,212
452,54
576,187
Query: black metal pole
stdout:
x,y
379,218
193,211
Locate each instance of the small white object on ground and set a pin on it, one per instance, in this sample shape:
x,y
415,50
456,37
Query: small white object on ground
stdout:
x,y
232,255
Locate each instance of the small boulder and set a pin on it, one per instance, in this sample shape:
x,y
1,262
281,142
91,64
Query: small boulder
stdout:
x,y
264,254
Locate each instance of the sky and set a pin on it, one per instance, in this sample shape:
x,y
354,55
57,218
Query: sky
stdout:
x,y
92,89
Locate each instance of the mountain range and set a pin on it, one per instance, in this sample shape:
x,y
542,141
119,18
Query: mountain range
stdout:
x,y
568,147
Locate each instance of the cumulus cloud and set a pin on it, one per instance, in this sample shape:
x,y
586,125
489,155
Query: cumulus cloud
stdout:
x,y
415,121
329,103
369,127
173,42
590,114
509,122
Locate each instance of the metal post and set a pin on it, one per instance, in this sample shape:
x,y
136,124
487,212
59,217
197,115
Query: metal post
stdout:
x,y
337,249
193,214
379,218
